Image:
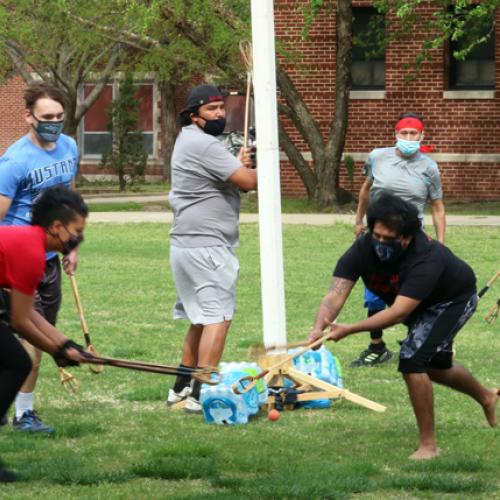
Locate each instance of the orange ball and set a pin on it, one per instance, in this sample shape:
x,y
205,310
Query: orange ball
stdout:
x,y
273,414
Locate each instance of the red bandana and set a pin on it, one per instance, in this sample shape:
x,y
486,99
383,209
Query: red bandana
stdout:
x,y
410,122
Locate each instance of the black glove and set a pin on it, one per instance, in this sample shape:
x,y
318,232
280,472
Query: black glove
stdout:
x,y
60,357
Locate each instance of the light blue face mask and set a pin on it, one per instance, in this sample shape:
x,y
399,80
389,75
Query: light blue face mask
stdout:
x,y
407,148
49,131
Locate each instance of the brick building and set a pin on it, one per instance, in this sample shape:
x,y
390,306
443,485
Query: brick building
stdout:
x,y
459,102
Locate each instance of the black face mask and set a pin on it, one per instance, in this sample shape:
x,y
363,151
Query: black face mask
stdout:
x,y
72,243
214,127
387,252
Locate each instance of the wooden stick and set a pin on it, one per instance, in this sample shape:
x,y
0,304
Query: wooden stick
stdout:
x,y
203,375
86,335
492,313
68,381
246,52
341,393
489,284
259,349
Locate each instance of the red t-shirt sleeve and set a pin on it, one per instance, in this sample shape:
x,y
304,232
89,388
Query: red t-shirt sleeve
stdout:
x,y
25,276
24,270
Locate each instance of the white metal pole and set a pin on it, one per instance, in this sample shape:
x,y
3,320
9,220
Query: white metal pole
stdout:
x,y
266,124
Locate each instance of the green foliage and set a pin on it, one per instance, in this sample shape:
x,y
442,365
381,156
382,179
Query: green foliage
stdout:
x,y
127,156
349,165
175,38
463,21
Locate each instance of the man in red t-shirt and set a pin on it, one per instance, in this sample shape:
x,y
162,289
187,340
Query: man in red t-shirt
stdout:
x,y
58,222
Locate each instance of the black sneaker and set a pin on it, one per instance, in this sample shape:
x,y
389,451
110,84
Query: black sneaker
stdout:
x,y
30,422
370,357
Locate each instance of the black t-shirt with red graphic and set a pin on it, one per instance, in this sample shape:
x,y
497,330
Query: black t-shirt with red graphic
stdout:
x,y
427,271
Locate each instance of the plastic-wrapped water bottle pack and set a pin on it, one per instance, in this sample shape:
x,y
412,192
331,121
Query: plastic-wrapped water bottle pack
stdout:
x,y
222,406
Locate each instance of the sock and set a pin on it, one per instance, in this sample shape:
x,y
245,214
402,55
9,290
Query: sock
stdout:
x,y
375,334
377,347
182,381
195,389
24,402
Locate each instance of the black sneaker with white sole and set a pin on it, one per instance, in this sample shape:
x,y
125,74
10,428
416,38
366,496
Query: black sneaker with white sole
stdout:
x,y
371,357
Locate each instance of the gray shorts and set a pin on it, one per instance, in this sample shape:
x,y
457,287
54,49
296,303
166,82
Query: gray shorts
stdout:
x,y
205,279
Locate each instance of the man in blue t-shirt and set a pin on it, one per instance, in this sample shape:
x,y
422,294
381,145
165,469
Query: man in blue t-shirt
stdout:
x,y
427,288
43,158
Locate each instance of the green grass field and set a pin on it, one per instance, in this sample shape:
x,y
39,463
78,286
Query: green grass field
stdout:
x,y
116,439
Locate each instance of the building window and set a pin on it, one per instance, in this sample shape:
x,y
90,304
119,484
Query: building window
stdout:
x,y
95,138
94,135
368,51
477,70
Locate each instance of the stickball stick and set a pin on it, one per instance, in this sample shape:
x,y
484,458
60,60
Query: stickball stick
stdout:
x,y
68,381
204,375
246,53
489,284
88,344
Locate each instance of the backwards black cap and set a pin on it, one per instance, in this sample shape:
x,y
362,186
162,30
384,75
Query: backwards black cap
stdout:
x,y
202,94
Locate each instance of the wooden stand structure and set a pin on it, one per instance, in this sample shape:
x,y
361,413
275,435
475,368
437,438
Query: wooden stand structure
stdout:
x,y
312,387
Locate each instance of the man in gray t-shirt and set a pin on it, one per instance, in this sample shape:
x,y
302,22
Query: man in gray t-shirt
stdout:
x,y
205,200
404,171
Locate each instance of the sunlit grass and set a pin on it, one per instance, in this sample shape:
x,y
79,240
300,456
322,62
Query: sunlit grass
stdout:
x,y
116,439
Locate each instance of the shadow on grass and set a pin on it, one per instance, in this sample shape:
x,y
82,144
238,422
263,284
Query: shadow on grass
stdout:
x,y
70,469
185,460
303,483
449,465
68,429
439,482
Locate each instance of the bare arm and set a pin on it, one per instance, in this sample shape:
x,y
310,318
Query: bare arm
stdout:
x,y
5,204
439,219
331,305
400,309
35,329
364,200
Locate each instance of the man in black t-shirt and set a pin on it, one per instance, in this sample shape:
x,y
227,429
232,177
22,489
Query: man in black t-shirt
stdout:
x,y
428,289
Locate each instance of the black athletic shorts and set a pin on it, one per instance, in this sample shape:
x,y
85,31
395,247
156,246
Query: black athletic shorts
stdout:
x,y
48,293
429,343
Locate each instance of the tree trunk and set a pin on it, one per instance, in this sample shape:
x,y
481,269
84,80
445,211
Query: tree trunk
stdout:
x,y
70,121
328,189
168,124
321,181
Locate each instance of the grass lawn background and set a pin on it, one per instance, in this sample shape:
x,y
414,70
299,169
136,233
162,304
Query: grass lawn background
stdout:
x,y
116,439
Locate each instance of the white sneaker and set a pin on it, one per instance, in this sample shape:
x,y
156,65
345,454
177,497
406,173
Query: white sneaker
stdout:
x,y
192,405
176,397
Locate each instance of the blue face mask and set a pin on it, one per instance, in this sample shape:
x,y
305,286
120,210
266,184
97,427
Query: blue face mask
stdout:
x,y
408,148
49,131
387,252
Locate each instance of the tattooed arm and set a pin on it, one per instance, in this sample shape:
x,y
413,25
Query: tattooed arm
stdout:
x,y
331,305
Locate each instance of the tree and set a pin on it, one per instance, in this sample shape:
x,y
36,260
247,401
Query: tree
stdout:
x,y
180,41
127,156
321,179
38,40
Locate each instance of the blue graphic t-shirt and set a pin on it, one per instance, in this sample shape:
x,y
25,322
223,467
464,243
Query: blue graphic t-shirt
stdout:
x,y
26,170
